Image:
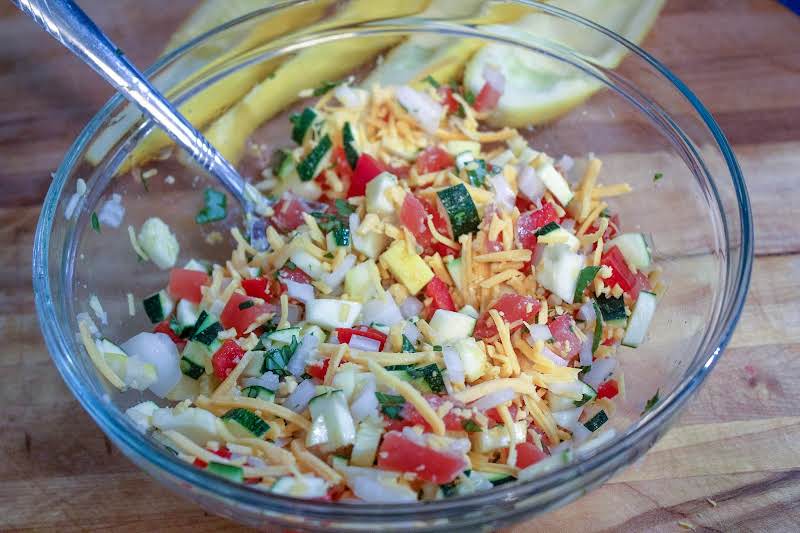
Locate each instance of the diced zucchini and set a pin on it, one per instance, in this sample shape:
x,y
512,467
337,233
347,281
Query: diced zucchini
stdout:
x,y
457,148
559,403
634,248
555,183
642,315
135,373
559,270
283,166
308,263
455,268
460,208
345,380
368,437
332,314
585,277
552,233
469,311
314,331
284,335
472,357
158,306
142,415
450,326
612,310
497,438
596,421
243,423
349,141
233,473
331,422
196,265
194,359
362,281
316,160
206,328
305,486
426,378
194,423
496,478
408,267
187,313
259,392
301,124
371,244
378,200
588,394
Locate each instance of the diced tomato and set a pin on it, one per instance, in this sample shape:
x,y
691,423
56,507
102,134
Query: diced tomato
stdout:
x,y
234,317
620,273
640,283
163,327
256,287
345,334
184,284
446,93
439,292
221,452
529,222
399,454
562,328
440,223
411,417
288,213
434,159
413,216
294,274
318,369
367,168
528,453
609,389
494,416
401,171
487,98
339,158
513,308
226,358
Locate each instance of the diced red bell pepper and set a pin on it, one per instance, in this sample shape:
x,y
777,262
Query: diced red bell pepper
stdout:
x,y
438,291
434,159
345,334
399,454
528,454
562,328
411,417
257,288
529,222
641,283
234,317
184,284
487,98
620,272
609,389
513,308
226,358
446,93
221,452
367,168
163,327
318,369
288,213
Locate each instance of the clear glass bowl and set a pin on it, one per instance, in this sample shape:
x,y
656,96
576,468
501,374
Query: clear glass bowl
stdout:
x,y
643,121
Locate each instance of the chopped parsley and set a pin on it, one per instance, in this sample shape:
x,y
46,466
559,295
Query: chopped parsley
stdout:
x,y
651,402
437,348
328,255
391,404
215,207
584,399
658,176
325,87
95,222
247,304
469,97
343,208
431,81
470,426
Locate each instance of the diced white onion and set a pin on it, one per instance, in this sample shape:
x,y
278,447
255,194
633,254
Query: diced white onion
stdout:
x,y
411,332
297,364
216,307
586,312
540,332
455,367
560,361
255,462
268,380
426,111
568,224
502,159
570,389
293,313
565,164
366,403
335,278
298,400
568,419
601,371
365,344
158,350
411,306
413,436
580,434
376,486
530,186
350,97
303,292
494,78
503,195
586,351
382,310
112,212
493,399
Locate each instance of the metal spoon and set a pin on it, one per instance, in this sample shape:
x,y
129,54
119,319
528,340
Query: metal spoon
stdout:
x,y
70,26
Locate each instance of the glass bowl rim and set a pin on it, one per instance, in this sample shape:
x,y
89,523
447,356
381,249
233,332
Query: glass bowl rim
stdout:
x,y
108,417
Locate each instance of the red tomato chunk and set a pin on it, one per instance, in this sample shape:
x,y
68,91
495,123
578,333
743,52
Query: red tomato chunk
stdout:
x,y
367,168
399,454
528,454
529,222
562,328
513,308
620,273
184,284
233,316
226,358
434,159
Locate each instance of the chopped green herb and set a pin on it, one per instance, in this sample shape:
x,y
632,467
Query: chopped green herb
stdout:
x,y
328,255
313,162
469,97
341,236
325,87
391,404
247,304
585,277
658,176
407,346
327,222
215,207
585,398
95,222
437,348
651,402
605,213
430,374
449,489
598,327
470,426
276,359
343,208
431,81
476,172
584,369
301,122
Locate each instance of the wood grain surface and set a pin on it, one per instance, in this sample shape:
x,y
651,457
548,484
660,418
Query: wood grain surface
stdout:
x,y
736,445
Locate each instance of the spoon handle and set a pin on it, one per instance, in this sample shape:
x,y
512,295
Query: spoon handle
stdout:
x,y
70,26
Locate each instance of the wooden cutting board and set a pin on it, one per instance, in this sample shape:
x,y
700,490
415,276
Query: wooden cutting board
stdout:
x,y
732,463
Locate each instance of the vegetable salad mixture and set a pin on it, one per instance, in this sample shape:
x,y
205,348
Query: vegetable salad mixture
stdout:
x,y
426,308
